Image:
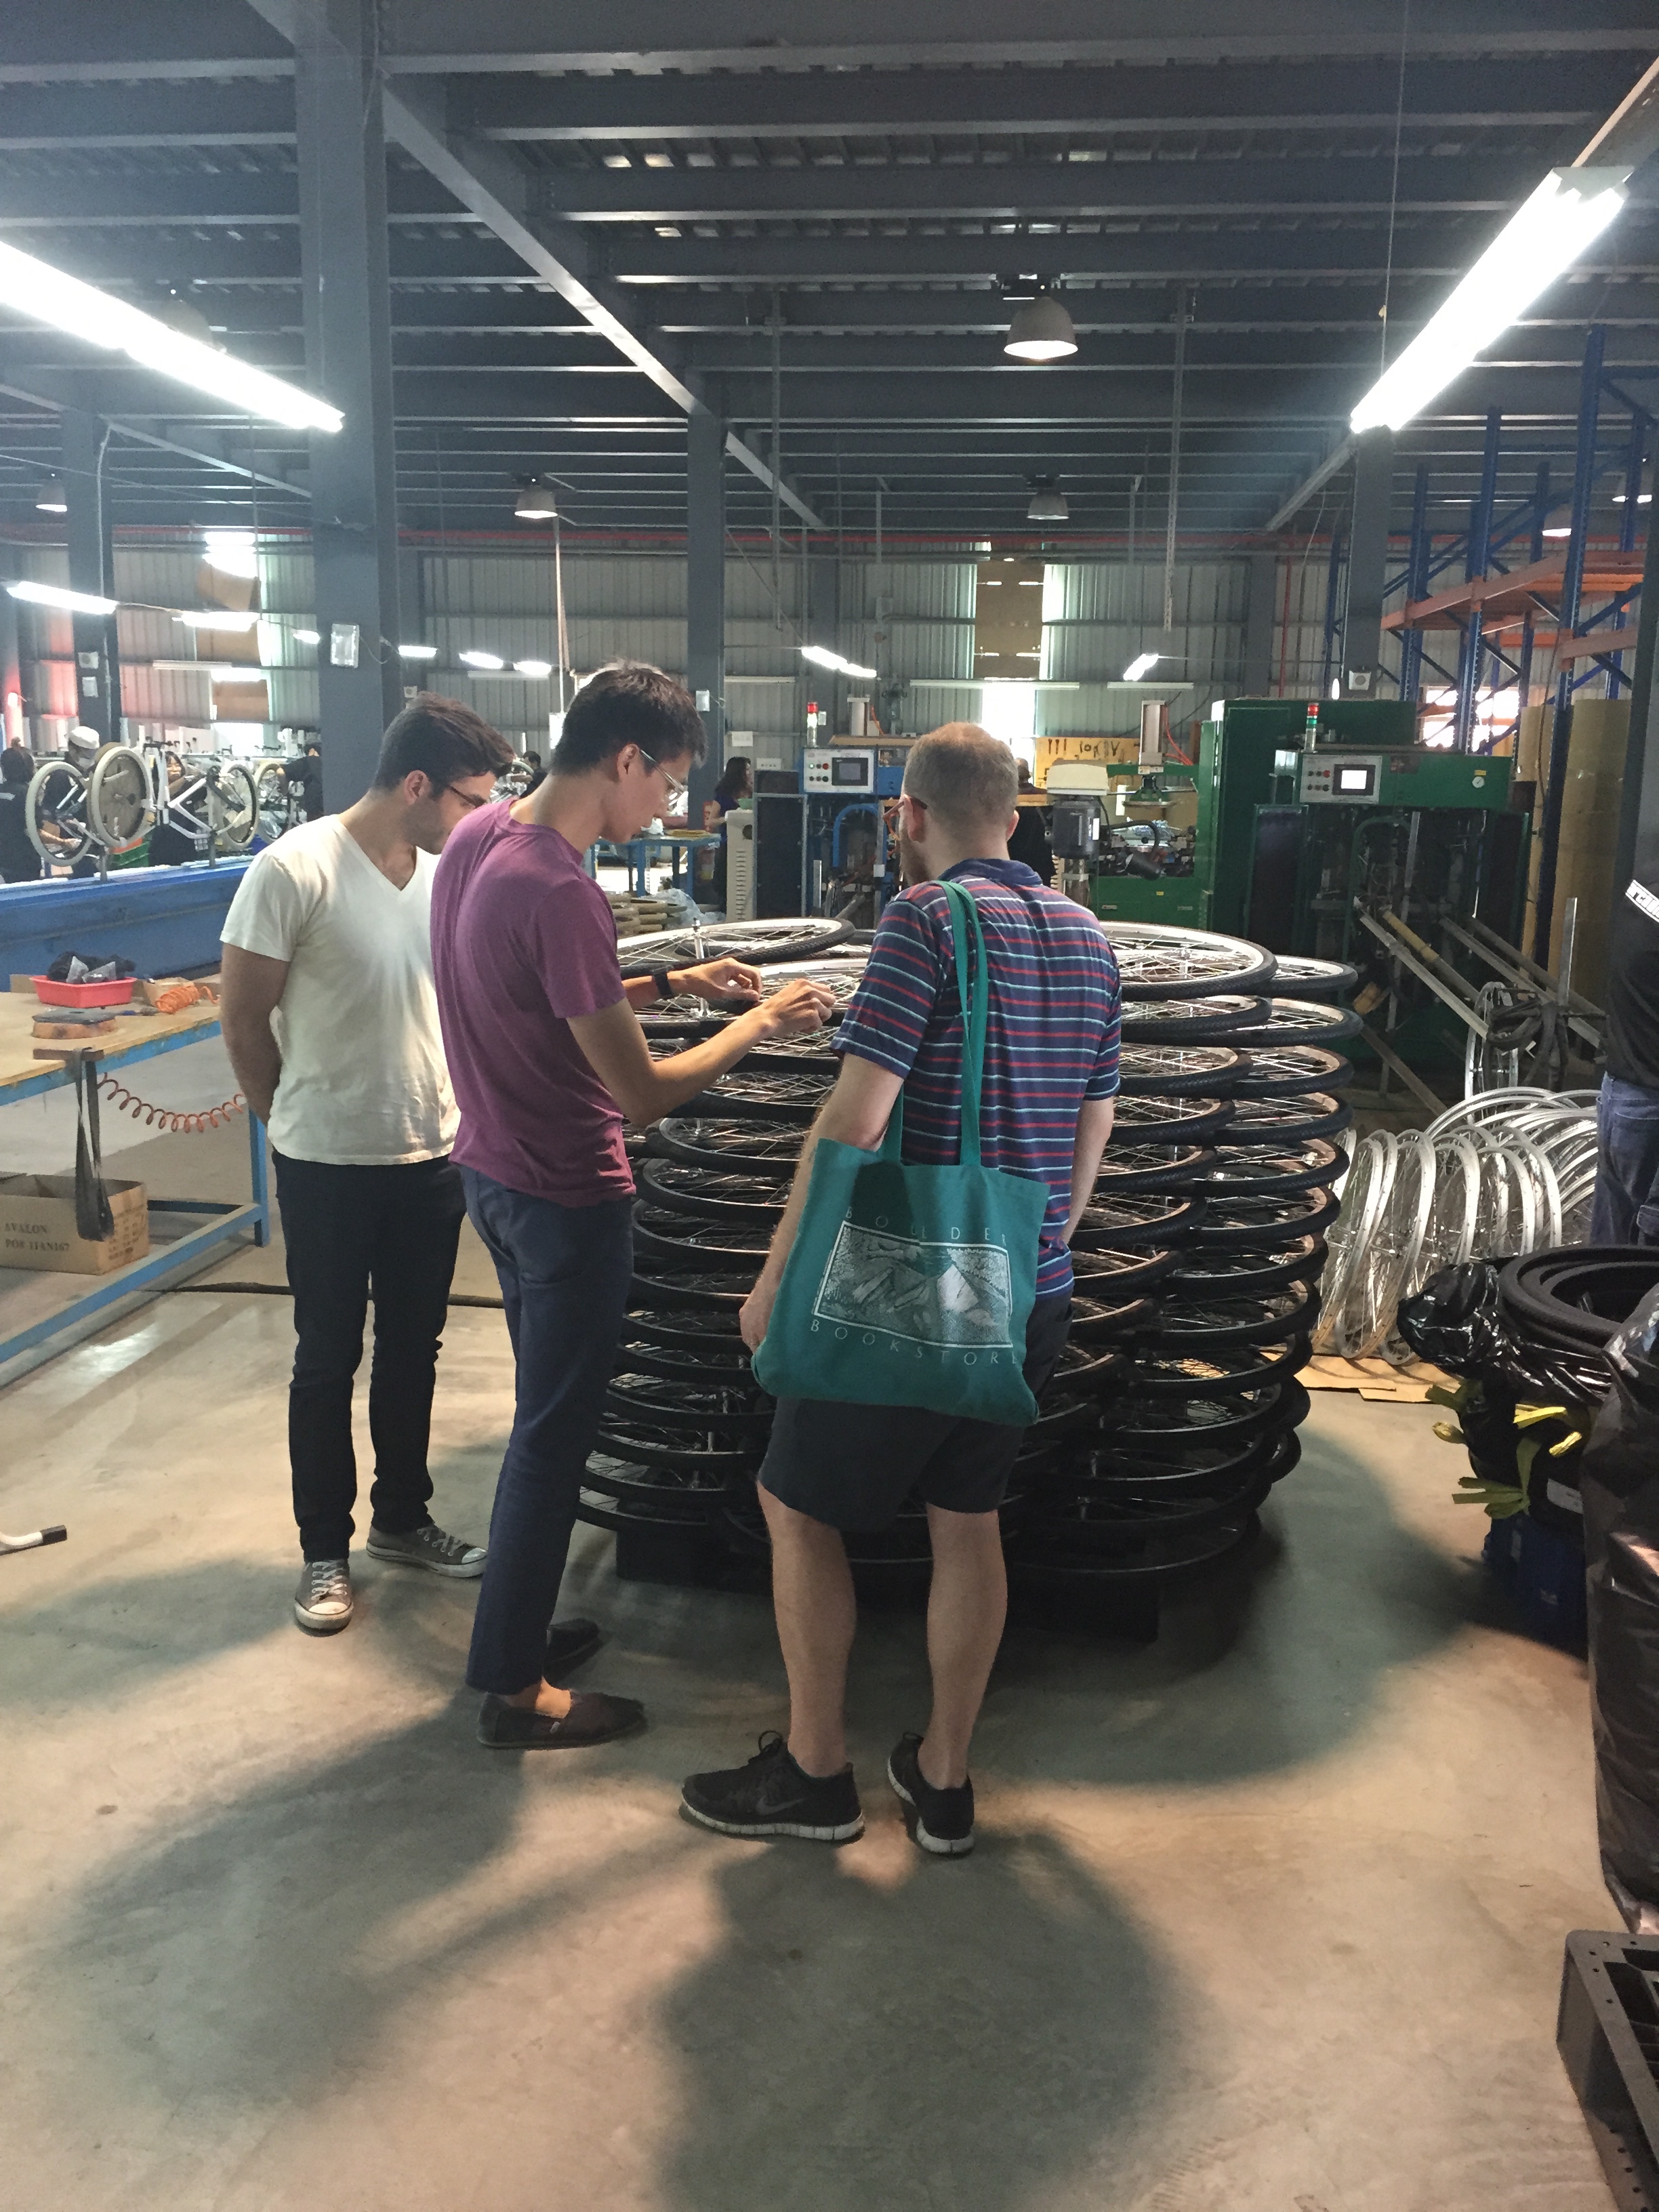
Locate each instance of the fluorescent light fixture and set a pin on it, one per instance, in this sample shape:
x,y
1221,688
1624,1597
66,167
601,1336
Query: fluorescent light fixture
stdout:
x,y
1560,530
821,657
534,669
1643,499
1543,238
217,618
50,595
417,652
1140,666
308,636
852,668
51,498
536,504
1041,330
487,661
30,288
231,552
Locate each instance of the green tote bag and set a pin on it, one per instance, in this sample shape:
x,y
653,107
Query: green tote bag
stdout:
x,y
912,1285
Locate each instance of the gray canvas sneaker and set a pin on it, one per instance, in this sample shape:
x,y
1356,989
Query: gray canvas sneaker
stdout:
x,y
323,1601
431,1547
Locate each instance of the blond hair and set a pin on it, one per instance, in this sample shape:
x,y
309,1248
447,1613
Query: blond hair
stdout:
x,y
965,777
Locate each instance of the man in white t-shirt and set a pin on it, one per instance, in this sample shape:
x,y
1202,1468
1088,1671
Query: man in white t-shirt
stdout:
x,y
331,1023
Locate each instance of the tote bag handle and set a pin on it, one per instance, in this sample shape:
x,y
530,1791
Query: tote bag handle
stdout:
x,y
975,1001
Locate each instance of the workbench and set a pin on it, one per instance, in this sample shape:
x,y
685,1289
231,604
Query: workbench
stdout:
x,y
638,853
136,1037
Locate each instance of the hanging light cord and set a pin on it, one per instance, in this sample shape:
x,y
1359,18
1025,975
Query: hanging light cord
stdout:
x,y
1393,190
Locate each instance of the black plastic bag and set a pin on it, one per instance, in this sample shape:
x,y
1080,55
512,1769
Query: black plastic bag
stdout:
x,y
1619,1486
1453,1321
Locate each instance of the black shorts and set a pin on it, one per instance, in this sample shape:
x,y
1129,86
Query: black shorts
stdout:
x,y
854,1467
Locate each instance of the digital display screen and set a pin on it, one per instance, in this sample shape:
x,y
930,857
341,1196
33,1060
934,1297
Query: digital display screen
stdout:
x,y
1354,778
855,770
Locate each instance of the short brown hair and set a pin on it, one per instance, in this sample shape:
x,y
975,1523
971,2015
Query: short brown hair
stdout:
x,y
966,776
628,702
443,740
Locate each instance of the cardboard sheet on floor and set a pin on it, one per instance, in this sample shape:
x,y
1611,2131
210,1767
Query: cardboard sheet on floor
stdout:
x,y
1375,1379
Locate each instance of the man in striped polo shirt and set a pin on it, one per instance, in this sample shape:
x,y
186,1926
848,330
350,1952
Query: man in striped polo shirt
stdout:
x,y
1046,1111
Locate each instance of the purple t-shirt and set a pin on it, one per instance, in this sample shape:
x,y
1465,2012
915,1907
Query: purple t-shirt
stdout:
x,y
523,941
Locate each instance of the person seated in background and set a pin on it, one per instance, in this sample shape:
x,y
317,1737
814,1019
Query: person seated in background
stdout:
x,y
735,788
1028,842
305,775
331,1026
19,861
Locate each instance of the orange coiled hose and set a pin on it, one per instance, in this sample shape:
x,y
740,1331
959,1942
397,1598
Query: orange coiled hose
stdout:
x,y
163,1119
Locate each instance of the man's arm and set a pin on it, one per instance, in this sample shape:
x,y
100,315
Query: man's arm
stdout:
x,y
1094,1125
613,1044
724,980
856,1112
251,986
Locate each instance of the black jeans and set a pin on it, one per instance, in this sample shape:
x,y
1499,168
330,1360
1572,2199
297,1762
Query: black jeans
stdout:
x,y
347,1229
565,1273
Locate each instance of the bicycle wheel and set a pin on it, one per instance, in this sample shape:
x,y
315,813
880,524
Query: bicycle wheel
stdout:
x,y
1190,1325
1269,1223
1154,962
741,1201
1191,1021
1247,1273
55,812
232,804
1170,1121
1282,1071
1303,978
777,1095
1122,1218
1275,1170
1300,1021
1149,1167
119,808
685,1240
1157,1071
751,1148
1286,1121
759,943
1108,1278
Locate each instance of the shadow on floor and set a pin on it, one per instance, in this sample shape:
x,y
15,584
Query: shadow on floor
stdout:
x,y
967,2038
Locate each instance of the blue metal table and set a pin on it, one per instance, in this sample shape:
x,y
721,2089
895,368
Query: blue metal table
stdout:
x,y
638,853
220,1224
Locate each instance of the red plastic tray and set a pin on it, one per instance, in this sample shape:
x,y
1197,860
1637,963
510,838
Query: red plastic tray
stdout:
x,y
116,993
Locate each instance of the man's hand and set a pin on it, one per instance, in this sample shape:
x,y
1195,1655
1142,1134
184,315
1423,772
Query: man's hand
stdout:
x,y
720,979
754,1314
800,1005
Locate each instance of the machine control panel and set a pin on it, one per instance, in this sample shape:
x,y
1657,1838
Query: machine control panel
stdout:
x,y
1341,779
847,770
1420,777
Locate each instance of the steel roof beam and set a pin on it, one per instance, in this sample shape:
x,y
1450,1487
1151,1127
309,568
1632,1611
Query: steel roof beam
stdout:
x,y
1082,102
212,198
1300,185
211,449
257,112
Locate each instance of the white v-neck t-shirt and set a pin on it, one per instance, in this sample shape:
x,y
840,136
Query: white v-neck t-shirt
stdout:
x,y
363,1081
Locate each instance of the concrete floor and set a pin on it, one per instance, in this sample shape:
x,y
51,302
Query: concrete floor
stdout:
x,y
1267,1917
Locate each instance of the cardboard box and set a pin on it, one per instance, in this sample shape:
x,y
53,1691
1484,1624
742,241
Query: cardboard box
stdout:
x,y
37,1226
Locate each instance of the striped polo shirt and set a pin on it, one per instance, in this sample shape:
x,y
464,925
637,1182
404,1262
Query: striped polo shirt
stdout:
x,y
1051,1033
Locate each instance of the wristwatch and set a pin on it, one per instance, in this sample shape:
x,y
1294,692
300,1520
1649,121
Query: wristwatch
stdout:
x,y
659,977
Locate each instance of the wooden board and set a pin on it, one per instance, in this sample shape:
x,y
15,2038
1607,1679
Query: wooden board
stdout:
x,y
19,1044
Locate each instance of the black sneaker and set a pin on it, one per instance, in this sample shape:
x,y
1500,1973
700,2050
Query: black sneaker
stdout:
x,y
945,1818
773,1797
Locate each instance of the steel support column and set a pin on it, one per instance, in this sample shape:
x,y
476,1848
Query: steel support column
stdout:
x,y
1477,559
1636,852
1260,614
1572,585
1332,585
705,592
347,317
13,727
1416,583
97,663
1368,551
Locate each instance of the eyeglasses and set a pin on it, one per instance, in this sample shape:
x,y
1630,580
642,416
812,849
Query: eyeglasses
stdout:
x,y
467,799
675,792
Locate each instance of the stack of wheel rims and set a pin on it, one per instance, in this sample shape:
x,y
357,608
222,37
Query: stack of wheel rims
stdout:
x,y
1198,1263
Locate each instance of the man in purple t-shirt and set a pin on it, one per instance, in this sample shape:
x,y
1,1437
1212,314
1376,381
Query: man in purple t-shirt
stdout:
x,y
546,1060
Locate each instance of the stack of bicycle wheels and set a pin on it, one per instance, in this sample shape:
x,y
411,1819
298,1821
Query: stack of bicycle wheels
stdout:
x,y
1197,1261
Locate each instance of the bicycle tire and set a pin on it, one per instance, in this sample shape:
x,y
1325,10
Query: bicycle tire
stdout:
x,y
758,943
1301,977
1221,1324
685,1240
1301,1021
1156,961
1112,1276
1268,1223
1286,1121
1220,1373
1117,1219
1154,1167
775,1095
1247,1272
1287,1071
120,803
1108,1323
1157,1071
689,1329
643,1443
1191,1021
695,1368
668,1285
40,809
1275,1170
700,1409
630,1483
1160,1420
1170,1121
714,1194
754,1147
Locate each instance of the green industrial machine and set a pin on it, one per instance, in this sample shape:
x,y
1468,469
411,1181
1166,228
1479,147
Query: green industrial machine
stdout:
x,y
1306,808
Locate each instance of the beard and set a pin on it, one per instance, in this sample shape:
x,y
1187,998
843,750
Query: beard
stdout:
x,y
912,867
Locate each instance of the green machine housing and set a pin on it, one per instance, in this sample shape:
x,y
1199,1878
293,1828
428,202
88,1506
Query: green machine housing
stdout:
x,y
1282,852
